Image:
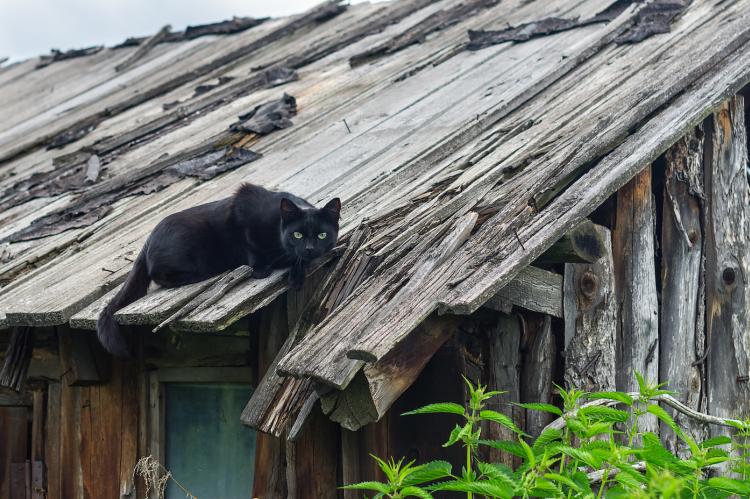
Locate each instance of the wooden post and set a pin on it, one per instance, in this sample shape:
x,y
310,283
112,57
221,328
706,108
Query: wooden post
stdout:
x,y
727,262
635,287
538,368
682,336
590,322
584,243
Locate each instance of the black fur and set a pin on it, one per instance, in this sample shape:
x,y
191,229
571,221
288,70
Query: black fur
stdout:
x,y
264,229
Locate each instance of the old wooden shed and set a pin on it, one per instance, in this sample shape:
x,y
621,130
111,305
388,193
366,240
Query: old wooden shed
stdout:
x,y
535,192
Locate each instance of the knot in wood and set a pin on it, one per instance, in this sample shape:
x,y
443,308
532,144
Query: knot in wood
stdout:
x,y
588,284
693,236
728,276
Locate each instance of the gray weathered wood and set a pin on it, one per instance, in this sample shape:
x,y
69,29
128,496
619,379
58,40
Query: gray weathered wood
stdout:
x,y
533,289
727,262
591,317
77,357
582,244
17,358
633,249
682,335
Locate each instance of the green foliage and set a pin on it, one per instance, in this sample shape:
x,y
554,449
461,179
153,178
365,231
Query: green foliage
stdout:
x,y
593,450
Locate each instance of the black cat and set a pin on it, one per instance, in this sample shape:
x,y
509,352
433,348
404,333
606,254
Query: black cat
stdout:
x,y
257,227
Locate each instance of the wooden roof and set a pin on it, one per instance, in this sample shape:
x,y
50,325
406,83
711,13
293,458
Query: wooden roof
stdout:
x,y
466,160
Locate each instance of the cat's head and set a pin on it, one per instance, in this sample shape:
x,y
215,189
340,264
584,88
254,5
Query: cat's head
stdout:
x,y
309,233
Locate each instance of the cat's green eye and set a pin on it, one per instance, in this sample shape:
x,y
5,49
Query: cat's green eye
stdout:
x,y
322,235
297,235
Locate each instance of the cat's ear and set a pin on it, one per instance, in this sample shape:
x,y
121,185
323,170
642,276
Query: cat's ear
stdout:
x,y
333,207
289,210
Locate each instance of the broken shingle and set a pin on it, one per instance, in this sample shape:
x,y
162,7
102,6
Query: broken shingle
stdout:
x,y
479,39
58,55
652,19
267,117
234,25
212,164
279,75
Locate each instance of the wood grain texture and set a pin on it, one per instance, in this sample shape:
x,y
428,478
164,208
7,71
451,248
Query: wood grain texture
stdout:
x,y
591,317
533,289
682,334
727,261
633,251
537,369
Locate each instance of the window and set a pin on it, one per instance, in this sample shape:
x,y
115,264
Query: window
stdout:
x,y
202,441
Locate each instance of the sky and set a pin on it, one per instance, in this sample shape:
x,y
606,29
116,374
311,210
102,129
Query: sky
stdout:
x,y
32,27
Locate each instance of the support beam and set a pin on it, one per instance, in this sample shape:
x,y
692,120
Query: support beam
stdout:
x,y
633,248
727,261
582,244
538,368
532,289
590,322
682,336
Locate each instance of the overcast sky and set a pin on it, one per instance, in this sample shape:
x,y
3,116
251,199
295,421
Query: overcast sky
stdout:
x,y
32,27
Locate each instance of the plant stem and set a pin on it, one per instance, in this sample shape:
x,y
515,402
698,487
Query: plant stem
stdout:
x,y
604,481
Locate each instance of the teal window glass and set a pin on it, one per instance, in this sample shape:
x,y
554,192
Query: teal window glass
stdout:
x,y
208,450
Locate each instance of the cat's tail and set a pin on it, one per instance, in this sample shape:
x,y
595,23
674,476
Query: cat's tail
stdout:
x,y
135,287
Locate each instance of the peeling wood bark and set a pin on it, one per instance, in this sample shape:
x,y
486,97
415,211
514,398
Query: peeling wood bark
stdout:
x,y
727,262
590,323
682,335
633,248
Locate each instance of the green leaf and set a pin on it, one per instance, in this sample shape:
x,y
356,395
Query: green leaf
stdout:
x,y
500,419
440,408
427,472
483,487
715,442
609,414
412,491
542,407
582,455
377,486
731,485
457,434
663,416
497,472
530,459
505,445
545,438
623,398
555,477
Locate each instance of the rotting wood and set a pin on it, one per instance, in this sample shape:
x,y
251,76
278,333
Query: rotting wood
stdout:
x,y
584,243
727,250
537,368
368,398
633,250
590,323
532,289
682,334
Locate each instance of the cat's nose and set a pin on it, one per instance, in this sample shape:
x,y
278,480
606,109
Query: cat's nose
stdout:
x,y
309,251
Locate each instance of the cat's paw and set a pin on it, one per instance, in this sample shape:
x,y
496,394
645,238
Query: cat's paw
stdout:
x,y
261,272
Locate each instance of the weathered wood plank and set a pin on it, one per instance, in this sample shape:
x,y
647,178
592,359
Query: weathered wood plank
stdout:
x,y
582,244
591,318
682,335
537,369
727,261
633,251
533,289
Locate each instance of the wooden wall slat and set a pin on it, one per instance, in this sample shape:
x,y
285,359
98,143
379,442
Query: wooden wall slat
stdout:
x,y
537,368
14,427
633,248
728,262
682,335
52,439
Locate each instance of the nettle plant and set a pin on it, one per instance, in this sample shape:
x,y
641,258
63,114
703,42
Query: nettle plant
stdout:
x,y
592,450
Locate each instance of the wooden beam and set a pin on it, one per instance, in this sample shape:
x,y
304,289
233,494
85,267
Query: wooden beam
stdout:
x,y
590,323
682,335
582,244
633,249
371,394
532,289
17,358
81,359
727,261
